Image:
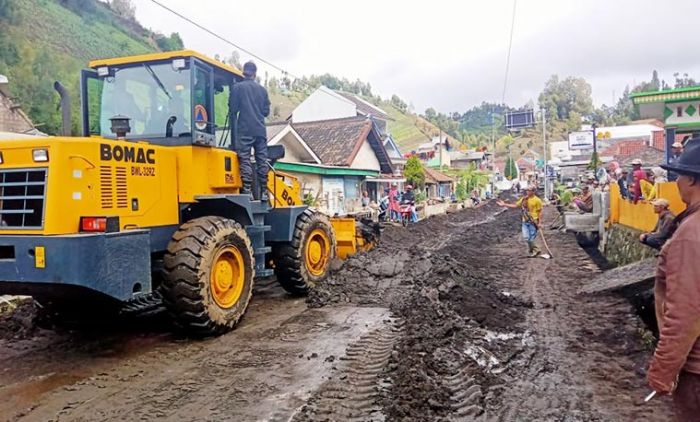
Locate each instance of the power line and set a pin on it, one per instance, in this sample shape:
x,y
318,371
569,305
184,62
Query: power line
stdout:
x,y
214,34
227,41
510,46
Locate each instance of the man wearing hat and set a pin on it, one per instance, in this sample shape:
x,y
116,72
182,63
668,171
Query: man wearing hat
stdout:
x,y
676,151
664,227
531,207
675,367
249,105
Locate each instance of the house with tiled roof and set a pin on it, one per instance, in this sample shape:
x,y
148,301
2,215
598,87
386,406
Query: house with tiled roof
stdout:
x,y
438,184
327,104
12,119
333,159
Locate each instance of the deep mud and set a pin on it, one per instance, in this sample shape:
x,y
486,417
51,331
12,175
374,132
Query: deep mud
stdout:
x,y
490,335
445,320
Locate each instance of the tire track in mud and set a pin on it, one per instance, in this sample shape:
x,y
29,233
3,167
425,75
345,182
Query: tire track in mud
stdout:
x,y
572,374
353,392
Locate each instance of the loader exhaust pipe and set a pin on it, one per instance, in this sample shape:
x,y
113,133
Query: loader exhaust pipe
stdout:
x,y
65,108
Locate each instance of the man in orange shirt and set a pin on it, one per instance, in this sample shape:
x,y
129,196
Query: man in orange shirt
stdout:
x,y
531,206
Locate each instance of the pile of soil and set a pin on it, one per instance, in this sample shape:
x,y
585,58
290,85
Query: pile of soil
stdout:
x,y
18,321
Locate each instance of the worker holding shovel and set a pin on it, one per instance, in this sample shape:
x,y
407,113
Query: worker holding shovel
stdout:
x,y
531,207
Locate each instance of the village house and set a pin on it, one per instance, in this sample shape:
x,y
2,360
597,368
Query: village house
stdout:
x,y
333,160
464,159
436,153
438,184
13,120
327,104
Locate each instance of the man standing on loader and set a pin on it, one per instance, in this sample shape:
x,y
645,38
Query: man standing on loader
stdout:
x,y
250,105
531,207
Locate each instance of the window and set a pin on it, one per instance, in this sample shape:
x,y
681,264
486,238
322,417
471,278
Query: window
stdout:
x,y
221,121
203,118
679,111
155,97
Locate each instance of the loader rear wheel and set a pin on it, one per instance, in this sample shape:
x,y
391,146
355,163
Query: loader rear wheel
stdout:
x,y
208,275
305,261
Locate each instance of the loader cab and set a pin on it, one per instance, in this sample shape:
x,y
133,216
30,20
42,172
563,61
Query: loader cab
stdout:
x,y
174,98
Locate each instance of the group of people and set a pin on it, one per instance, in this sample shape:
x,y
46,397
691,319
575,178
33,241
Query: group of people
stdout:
x,y
396,198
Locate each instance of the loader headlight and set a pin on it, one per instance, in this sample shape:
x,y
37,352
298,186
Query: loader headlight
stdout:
x,y
1,161
40,155
102,71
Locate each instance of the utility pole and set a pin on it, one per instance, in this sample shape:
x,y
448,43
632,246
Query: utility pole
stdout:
x,y
493,131
544,144
595,152
440,147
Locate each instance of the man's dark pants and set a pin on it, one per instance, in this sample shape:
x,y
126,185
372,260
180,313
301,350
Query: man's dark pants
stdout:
x,y
259,145
686,398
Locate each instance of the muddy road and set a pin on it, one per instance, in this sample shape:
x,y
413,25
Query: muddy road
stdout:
x,y
444,321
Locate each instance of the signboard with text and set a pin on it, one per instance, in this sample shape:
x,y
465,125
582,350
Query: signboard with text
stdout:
x,y
581,140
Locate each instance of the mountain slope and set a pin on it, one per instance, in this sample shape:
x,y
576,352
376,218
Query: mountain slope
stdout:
x,y
46,40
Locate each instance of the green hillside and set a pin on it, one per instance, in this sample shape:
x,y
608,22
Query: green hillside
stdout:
x,y
42,41
404,128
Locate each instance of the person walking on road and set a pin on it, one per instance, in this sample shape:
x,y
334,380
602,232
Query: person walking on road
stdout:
x,y
249,106
531,207
675,367
394,209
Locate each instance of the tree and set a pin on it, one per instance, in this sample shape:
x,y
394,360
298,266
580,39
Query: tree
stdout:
x,y
234,60
125,8
430,114
683,81
653,85
414,172
511,170
561,98
399,103
595,162
171,43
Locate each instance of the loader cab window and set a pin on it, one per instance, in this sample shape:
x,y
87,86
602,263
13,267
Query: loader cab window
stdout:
x,y
203,115
221,119
156,97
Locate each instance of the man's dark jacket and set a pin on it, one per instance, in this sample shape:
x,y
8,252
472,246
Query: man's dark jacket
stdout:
x,y
663,231
250,104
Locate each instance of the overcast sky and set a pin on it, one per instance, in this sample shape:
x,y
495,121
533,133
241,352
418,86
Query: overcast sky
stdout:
x,y
451,54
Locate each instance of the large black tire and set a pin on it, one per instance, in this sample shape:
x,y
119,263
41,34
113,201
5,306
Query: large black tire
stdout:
x,y
291,268
189,291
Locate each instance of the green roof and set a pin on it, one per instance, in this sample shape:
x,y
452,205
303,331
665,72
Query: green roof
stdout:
x,y
667,95
666,91
324,170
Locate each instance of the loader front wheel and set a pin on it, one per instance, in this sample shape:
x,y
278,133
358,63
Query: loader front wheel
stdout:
x,y
208,275
305,261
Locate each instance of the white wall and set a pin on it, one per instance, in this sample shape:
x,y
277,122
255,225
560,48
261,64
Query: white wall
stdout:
x,y
685,117
366,158
323,104
630,131
560,150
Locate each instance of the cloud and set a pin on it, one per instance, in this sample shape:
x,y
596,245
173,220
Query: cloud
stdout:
x,y
451,55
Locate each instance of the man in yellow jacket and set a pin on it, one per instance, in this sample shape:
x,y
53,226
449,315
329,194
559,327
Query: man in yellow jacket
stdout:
x,y
531,206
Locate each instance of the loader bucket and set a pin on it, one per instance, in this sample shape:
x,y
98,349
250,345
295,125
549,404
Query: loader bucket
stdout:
x,y
353,236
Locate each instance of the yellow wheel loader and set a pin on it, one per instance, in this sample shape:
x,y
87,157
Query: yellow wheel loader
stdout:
x,y
145,208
